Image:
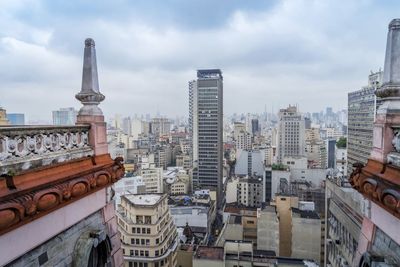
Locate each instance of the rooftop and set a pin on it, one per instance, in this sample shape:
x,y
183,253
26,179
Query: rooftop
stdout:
x,y
209,253
306,214
144,199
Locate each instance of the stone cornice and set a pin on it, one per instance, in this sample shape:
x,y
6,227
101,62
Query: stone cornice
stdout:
x,y
380,183
39,192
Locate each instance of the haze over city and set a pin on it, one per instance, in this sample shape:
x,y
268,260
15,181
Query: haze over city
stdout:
x,y
272,53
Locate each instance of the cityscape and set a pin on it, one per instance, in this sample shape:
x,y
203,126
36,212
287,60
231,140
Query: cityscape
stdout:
x,y
97,179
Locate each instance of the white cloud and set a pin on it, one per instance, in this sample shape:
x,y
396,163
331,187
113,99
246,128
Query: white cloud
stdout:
x,y
306,52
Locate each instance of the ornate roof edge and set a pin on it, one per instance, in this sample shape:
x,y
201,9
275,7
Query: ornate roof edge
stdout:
x,y
375,182
32,205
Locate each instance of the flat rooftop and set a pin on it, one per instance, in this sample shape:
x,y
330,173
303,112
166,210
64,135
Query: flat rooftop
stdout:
x,y
144,199
306,214
209,253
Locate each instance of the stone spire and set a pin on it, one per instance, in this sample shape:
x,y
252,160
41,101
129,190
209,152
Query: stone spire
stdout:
x,y
90,95
386,142
390,89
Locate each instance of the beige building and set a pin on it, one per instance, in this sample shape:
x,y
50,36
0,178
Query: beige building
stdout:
x,y
315,149
243,140
283,207
148,233
3,117
299,229
152,177
183,160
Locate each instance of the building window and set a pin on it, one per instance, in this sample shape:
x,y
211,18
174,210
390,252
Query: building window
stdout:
x,y
141,253
148,230
157,240
132,241
146,253
138,230
139,219
147,219
133,230
142,242
136,252
143,230
131,252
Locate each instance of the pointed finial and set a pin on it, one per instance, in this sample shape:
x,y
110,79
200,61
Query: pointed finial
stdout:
x,y
391,72
90,95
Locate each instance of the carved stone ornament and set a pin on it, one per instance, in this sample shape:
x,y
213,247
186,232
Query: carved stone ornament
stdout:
x,y
21,207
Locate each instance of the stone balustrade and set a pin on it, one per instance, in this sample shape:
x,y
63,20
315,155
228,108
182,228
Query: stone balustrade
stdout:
x,y
27,147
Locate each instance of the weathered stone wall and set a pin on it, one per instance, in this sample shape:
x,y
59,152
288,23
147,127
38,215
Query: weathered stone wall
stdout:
x,y
61,250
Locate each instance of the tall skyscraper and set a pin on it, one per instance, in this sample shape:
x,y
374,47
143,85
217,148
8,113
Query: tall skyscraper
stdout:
x,y
64,116
362,106
206,113
291,141
255,127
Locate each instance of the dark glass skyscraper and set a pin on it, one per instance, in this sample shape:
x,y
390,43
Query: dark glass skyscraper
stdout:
x,y
206,108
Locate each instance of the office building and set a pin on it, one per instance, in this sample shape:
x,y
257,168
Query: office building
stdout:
x,y
160,126
255,127
16,118
243,141
362,106
291,131
330,153
207,101
64,116
148,233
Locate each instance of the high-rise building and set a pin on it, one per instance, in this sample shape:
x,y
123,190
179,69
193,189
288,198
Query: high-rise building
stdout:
x,y
362,106
243,141
148,233
64,116
291,132
16,118
160,126
207,101
255,129
330,153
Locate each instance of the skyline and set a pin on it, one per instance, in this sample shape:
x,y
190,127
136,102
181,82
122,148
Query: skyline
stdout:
x,y
148,55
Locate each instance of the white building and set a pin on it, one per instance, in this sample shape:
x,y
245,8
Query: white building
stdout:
x,y
341,160
291,131
243,140
152,177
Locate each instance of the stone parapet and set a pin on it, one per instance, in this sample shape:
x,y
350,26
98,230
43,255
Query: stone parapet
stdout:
x,y
24,148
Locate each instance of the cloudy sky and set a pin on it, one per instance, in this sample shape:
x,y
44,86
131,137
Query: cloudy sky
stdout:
x,y
272,53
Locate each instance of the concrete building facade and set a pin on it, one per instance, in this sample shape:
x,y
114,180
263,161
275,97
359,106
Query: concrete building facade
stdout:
x,y
362,106
148,233
291,131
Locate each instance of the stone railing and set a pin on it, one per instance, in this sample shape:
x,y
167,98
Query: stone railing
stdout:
x,y
27,147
